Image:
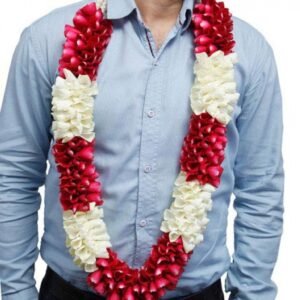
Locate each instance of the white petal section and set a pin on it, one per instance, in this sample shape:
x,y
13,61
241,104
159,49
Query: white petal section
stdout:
x,y
72,107
87,237
214,88
102,4
187,216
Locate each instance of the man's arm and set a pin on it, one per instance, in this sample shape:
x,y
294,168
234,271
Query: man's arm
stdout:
x,y
259,184
25,121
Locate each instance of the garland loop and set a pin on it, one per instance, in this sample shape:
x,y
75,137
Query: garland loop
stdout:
x,y
213,96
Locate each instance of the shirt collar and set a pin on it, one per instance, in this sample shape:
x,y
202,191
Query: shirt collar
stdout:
x,y
117,9
185,15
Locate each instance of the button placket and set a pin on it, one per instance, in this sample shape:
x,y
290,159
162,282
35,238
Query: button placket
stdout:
x,y
149,147
148,154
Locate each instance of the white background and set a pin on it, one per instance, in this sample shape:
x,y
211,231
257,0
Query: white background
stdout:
x,y
277,20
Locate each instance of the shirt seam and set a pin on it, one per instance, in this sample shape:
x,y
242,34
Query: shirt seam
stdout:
x,y
38,52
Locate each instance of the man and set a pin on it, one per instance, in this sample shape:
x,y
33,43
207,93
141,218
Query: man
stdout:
x,y
141,118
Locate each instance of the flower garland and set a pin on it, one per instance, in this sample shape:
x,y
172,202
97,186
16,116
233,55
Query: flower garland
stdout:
x,y
213,97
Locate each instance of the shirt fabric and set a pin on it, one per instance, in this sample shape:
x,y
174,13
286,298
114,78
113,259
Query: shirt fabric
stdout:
x,y
141,116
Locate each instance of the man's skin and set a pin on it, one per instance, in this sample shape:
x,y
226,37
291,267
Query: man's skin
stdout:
x,y
159,16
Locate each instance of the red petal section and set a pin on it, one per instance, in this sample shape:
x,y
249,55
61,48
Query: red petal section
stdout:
x,y
203,149
86,42
213,25
78,185
162,270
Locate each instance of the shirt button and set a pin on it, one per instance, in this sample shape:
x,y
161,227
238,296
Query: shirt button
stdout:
x,y
143,223
147,169
155,63
150,113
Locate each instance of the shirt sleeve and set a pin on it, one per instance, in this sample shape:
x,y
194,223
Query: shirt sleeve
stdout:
x,y
259,184
25,120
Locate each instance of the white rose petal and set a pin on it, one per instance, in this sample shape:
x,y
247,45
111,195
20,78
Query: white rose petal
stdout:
x,y
187,216
214,88
72,107
87,236
102,4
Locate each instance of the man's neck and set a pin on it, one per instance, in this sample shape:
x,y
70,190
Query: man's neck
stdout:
x,y
158,11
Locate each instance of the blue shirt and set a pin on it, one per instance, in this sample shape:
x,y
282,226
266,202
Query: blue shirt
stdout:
x,y
141,117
